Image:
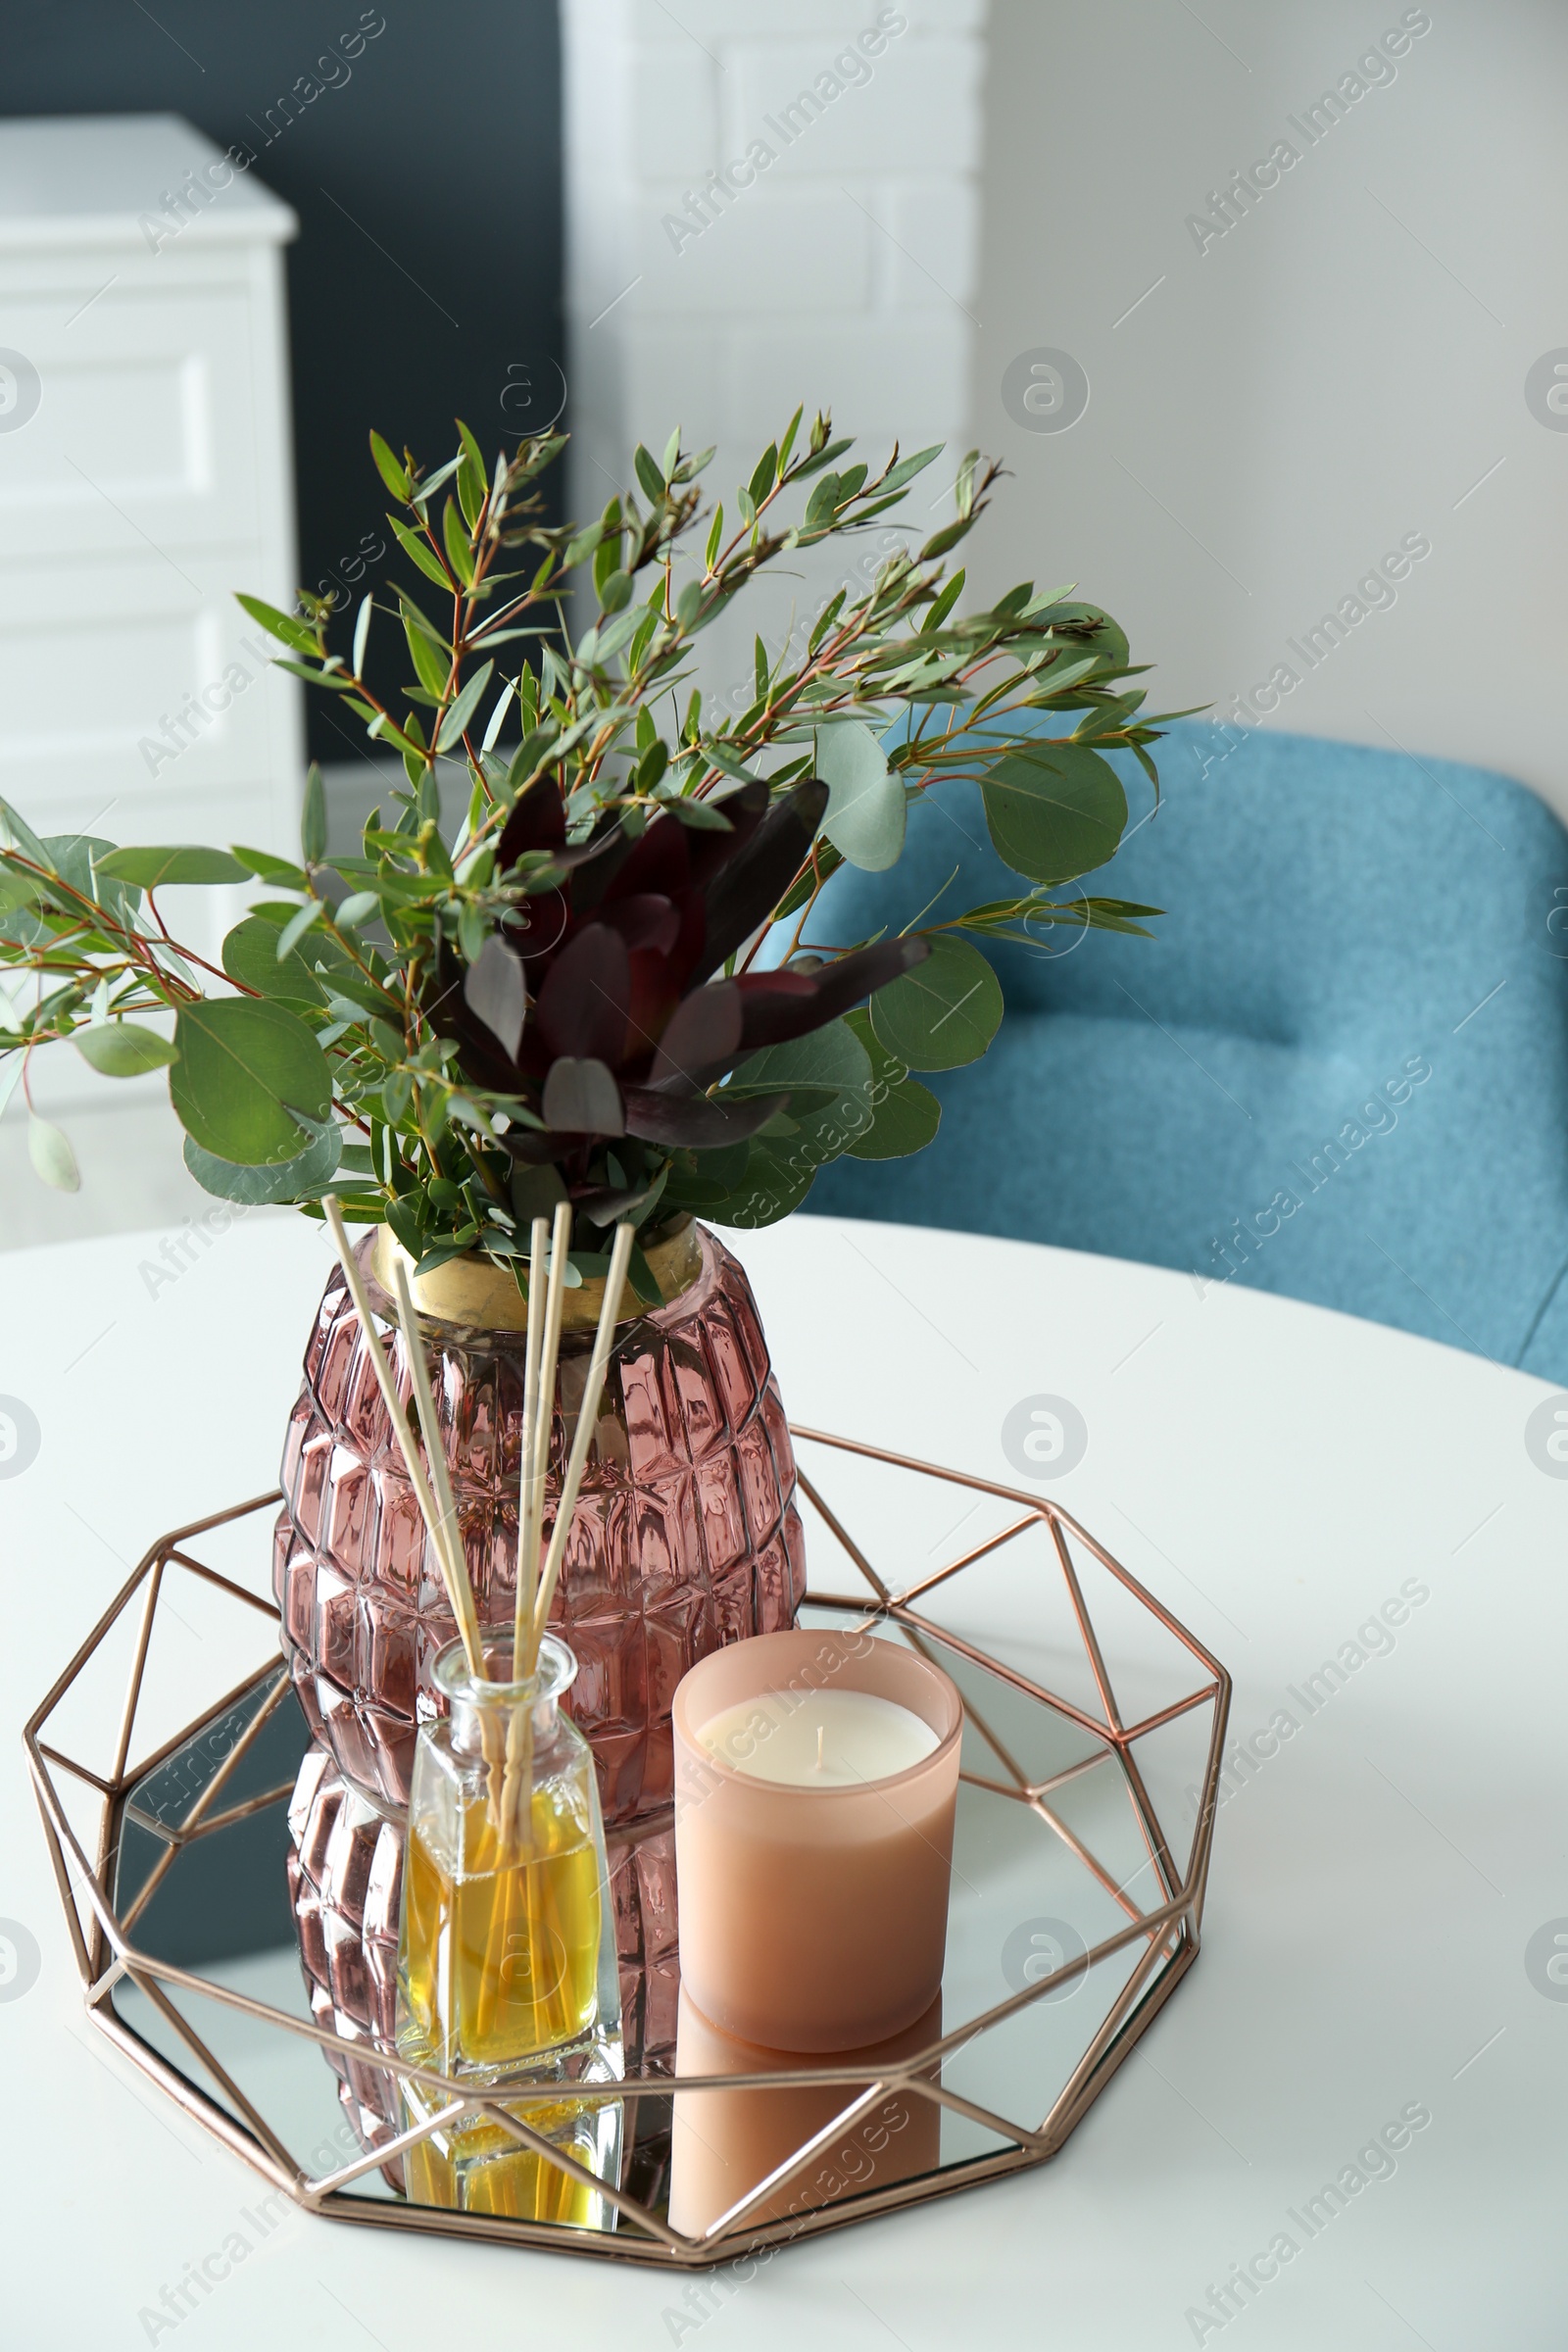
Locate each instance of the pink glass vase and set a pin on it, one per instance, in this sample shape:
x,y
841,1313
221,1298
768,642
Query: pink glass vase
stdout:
x,y
685,1535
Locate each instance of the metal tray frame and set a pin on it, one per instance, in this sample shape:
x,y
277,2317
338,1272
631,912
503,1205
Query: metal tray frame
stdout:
x,y
106,1953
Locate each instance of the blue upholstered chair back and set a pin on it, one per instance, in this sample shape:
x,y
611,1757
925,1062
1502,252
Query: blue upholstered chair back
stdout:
x,y
1340,1072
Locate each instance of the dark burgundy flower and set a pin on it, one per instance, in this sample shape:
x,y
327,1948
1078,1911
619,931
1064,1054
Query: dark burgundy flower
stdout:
x,y
625,1028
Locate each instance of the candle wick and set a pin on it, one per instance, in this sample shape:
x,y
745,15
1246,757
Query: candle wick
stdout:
x,y
821,1734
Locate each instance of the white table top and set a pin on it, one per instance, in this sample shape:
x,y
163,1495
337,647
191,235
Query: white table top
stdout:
x,y
1275,1474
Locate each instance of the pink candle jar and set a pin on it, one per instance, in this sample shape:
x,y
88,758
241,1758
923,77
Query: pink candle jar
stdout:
x,y
816,1776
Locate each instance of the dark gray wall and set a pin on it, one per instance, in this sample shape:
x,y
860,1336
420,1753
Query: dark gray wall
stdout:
x,y
441,296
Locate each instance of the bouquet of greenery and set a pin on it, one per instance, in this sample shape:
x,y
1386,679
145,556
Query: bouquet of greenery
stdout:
x,y
609,985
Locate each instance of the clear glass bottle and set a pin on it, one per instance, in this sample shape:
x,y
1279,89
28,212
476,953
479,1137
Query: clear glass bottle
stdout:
x,y
506,1967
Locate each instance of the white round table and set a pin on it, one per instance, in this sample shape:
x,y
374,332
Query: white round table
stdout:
x,y
1389,1877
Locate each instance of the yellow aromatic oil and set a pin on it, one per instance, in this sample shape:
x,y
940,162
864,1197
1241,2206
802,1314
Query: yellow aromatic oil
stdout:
x,y
480,2168
501,1949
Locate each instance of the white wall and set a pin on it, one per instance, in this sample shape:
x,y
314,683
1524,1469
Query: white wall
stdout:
x,y
842,274
1341,369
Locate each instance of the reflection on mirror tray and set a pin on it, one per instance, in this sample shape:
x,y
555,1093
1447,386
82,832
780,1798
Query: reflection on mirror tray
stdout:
x,y
601,2107
725,2143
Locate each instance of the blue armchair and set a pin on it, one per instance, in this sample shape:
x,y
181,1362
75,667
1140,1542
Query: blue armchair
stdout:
x,y
1340,1072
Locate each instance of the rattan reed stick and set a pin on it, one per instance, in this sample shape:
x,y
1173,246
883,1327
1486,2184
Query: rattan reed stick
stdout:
x,y
550,1351
527,1538
587,1417
423,1496
538,1404
460,1590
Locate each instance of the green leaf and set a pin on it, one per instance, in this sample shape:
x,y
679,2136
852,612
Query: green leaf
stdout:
x,y
419,550
941,541
312,817
53,1159
764,475
773,1186
865,799
362,634
907,468
276,870
1054,810
122,1048
701,1180
282,626
17,834
455,539
352,911
781,1168
944,604
471,481
150,868
432,667
830,1062
463,709
943,1013
74,857
251,957
701,815
288,1179
395,476
648,474
904,1115
298,924
18,889
249,1079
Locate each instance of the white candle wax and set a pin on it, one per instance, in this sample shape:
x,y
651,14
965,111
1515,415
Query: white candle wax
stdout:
x,y
818,1738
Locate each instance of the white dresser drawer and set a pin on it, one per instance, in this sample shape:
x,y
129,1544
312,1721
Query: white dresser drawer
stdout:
x,y
145,425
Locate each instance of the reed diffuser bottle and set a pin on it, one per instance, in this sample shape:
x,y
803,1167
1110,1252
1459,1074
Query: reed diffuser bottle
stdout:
x,y
506,1967
508,1977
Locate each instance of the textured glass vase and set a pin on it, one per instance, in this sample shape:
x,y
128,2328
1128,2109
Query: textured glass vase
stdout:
x,y
685,1535
345,1881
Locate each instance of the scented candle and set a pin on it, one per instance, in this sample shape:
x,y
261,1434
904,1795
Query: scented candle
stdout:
x,y
816,1782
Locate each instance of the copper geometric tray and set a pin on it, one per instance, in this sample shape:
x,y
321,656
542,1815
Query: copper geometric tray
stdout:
x,y
1076,1908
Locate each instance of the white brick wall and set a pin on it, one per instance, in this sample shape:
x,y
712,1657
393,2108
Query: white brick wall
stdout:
x,y
842,274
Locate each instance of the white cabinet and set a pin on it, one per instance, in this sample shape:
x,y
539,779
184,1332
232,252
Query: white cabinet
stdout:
x,y
145,476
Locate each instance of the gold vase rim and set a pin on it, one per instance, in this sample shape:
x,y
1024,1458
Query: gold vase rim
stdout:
x,y
481,1293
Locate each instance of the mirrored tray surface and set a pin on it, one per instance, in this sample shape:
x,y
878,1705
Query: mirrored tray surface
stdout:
x,y
244,1963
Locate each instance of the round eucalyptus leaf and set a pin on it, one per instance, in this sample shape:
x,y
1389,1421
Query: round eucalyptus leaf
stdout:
x,y
149,868
777,1177
865,800
122,1048
943,1013
53,1159
251,1080
904,1119
904,1115
1054,810
290,1180
819,1067
250,956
